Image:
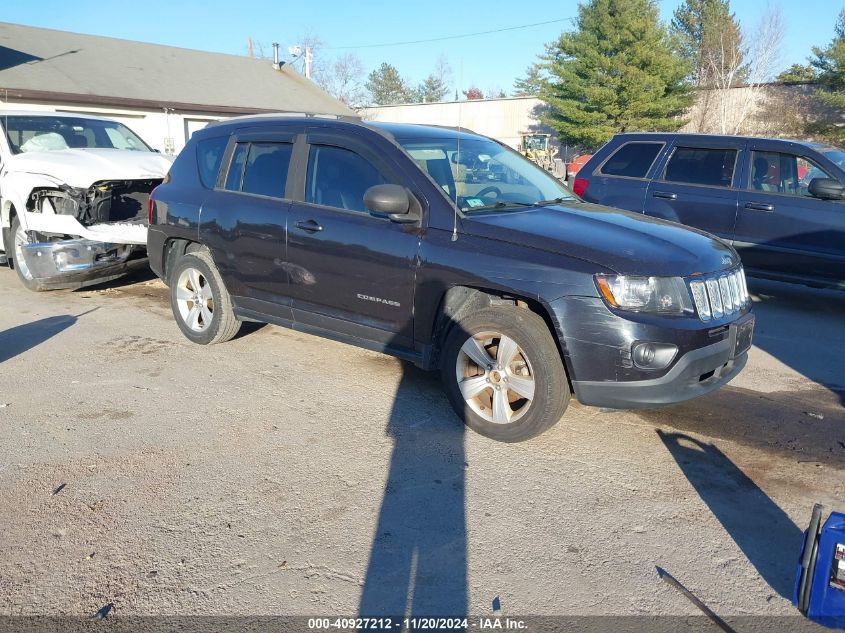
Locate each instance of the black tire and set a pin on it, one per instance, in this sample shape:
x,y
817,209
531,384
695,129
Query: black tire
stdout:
x,y
537,357
24,275
223,325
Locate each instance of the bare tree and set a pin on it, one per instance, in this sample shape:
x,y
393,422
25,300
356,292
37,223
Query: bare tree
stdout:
x,y
343,78
443,71
738,72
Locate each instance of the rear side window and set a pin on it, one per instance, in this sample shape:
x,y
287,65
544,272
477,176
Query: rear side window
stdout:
x,y
338,178
702,166
260,168
209,156
632,160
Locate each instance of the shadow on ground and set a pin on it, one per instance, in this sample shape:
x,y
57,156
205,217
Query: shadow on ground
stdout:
x,y
805,425
802,328
22,338
766,535
418,558
139,273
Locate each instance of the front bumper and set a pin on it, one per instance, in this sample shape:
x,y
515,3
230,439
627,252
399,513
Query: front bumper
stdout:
x,y
696,373
77,262
597,346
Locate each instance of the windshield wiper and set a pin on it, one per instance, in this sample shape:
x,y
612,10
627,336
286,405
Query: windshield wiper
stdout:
x,y
543,203
498,205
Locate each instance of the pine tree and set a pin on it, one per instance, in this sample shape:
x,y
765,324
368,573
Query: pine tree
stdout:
x,y
616,72
797,73
431,90
387,87
829,64
710,39
531,84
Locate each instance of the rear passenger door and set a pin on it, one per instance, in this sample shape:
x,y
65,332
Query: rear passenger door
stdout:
x,y
244,221
351,272
696,186
781,228
621,180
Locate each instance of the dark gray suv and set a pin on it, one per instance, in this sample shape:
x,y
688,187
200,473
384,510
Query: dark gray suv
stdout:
x,y
380,235
780,203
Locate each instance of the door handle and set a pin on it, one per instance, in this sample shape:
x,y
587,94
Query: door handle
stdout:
x,y
665,195
759,206
309,225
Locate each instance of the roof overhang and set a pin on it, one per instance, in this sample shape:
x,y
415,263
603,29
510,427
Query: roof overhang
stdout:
x,y
48,96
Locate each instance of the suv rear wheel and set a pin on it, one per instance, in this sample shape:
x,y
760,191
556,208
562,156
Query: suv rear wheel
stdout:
x,y
200,301
503,374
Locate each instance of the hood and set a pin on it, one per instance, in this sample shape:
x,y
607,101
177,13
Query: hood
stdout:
x,y
626,243
84,167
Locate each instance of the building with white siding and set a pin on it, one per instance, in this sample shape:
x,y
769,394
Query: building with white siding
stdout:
x,y
163,93
503,119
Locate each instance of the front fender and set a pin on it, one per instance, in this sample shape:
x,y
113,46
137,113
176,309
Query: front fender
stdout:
x,y
15,188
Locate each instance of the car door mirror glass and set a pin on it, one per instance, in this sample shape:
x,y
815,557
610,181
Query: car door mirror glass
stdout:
x,y
826,189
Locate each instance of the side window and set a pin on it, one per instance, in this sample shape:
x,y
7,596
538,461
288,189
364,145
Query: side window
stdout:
x,y
806,171
632,160
783,173
266,169
766,171
338,178
260,168
701,166
209,156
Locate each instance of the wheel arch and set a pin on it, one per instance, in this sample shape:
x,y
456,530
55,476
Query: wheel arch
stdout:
x,y
174,248
458,301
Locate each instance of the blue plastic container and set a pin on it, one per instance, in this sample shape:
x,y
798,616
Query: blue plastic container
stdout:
x,y
819,591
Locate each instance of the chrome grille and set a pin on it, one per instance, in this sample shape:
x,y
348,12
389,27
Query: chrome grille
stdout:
x,y
720,295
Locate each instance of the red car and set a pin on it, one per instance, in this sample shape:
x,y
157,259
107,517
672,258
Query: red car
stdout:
x,y
577,163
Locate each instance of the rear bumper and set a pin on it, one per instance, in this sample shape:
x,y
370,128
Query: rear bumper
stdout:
x,y
696,373
78,262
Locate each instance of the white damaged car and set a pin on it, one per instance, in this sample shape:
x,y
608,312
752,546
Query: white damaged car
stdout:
x,y
74,196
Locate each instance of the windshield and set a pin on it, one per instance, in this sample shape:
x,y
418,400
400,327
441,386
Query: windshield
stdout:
x,y
837,156
480,174
47,133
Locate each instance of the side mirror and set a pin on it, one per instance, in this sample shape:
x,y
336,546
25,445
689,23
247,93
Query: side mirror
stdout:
x,y
394,201
826,189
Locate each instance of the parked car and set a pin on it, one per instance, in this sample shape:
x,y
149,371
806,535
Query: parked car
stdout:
x,y
575,165
73,197
519,292
780,203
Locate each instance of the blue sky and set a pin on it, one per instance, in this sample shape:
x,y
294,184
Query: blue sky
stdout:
x,y
486,61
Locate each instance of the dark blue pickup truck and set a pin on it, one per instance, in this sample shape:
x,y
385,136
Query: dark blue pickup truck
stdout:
x,y
780,203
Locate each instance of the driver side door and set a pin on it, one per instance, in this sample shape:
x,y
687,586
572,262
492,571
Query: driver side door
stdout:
x,y
781,228
351,272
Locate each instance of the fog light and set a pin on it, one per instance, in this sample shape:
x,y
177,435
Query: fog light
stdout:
x,y
653,355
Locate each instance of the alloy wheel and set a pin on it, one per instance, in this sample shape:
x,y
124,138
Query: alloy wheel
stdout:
x,y
495,377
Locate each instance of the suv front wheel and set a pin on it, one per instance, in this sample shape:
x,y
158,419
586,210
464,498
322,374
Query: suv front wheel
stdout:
x,y
503,374
200,301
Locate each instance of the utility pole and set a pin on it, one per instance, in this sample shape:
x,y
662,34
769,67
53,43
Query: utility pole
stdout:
x,y
309,57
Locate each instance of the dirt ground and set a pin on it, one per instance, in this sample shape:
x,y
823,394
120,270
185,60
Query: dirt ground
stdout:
x,y
285,474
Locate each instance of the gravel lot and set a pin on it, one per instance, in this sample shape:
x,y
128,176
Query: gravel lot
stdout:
x,y
285,474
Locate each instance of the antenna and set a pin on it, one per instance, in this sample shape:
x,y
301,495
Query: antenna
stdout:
x,y
458,156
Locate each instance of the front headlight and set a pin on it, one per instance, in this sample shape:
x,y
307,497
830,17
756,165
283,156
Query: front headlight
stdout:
x,y
661,295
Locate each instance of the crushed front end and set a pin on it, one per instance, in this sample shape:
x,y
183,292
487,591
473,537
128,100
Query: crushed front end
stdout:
x,y
79,236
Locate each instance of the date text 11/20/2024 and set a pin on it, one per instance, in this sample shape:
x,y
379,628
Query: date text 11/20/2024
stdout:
x,y
417,624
